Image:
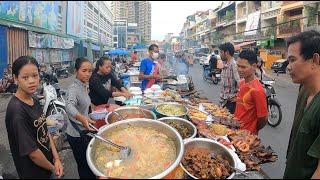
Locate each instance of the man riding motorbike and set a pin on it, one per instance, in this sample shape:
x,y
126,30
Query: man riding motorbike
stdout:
x,y
213,66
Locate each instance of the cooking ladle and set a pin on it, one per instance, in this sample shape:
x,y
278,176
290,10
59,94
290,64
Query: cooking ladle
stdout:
x,y
124,150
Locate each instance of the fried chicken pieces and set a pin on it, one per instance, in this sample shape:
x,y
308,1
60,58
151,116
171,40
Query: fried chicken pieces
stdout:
x,y
200,163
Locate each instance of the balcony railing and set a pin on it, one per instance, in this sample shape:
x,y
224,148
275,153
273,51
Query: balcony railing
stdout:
x,y
258,36
290,28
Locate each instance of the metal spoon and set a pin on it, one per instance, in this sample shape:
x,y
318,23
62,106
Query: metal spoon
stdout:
x,y
124,150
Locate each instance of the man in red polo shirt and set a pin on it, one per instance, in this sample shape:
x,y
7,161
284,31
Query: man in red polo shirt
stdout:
x,y
134,56
251,107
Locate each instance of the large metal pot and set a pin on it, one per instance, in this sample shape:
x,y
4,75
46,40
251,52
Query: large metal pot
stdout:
x,y
133,112
216,147
171,103
160,126
191,128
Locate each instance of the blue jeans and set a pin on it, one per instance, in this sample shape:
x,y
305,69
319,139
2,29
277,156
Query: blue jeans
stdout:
x,y
79,147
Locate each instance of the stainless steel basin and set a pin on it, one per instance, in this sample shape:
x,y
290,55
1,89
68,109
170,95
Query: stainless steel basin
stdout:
x,y
158,125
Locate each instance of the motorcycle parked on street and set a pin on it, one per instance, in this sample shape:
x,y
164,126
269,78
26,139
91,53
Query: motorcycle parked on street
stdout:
x,y
60,71
274,107
51,97
63,71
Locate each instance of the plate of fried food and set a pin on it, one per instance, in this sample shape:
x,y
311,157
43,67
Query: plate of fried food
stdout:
x,y
217,110
250,149
197,114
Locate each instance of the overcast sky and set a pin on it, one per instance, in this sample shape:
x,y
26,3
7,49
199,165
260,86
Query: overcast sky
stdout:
x,y
169,16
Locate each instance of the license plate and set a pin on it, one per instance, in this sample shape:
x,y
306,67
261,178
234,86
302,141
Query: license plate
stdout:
x,y
218,75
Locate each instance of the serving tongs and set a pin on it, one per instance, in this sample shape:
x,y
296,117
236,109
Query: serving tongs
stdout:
x,y
124,150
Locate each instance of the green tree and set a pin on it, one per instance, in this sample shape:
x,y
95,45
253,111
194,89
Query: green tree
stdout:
x,y
229,15
311,14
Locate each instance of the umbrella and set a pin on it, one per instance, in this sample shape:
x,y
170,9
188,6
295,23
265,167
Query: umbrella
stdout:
x,y
118,52
139,46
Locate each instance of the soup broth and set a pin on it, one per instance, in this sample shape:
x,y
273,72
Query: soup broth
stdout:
x,y
152,152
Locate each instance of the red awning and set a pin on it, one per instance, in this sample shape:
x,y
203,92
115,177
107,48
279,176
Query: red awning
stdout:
x,y
238,46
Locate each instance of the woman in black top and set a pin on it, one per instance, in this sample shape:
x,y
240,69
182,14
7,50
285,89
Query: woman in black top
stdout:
x,y
101,81
33,150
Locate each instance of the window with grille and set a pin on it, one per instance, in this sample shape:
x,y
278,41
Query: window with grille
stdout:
x,y
90,6
89,25
96,11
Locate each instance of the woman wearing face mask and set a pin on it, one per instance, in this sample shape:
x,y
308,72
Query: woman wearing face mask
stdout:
x,y
77,107
149,72
32,147
101,81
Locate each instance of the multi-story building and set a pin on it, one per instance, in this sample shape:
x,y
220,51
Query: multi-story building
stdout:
x,y
145,20
269,12
226,22
203,25
312,14
25,23
247,36
190,32
134,35
120,10
290,18
120,34
98,22
135,12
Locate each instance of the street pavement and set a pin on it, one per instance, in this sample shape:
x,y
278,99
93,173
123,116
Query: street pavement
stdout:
x,y
277,137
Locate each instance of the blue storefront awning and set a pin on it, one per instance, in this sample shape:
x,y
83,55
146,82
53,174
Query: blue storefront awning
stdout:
x,y
94,47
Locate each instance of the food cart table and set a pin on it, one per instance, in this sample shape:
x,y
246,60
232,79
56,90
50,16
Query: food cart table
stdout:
x,y
177,173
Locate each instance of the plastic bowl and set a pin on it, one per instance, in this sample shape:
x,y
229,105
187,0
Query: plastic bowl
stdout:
x,y
98,115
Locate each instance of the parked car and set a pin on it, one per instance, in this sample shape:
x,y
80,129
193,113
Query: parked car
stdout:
x,y
280,65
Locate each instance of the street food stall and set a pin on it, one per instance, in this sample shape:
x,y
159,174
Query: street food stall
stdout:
x,y
176,134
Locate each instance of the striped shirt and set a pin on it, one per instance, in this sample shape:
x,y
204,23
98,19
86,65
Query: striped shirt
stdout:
x,y
230,81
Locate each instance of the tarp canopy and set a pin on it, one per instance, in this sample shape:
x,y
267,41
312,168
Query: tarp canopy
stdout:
x,y
118,52
139,46
238,46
